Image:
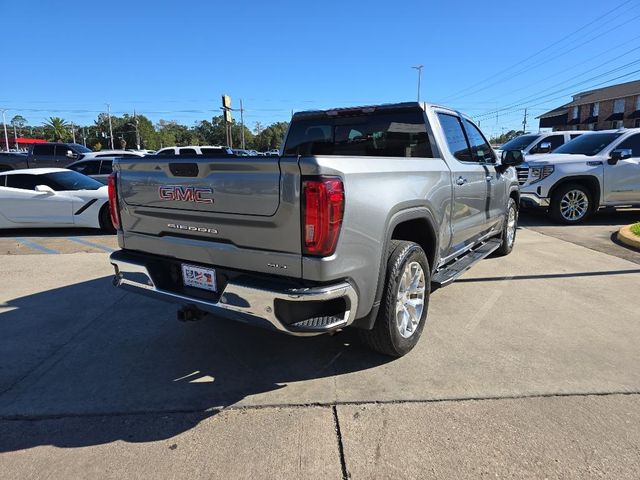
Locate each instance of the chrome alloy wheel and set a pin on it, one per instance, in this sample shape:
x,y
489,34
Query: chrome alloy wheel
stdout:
x,y
410,299
574,205
511,226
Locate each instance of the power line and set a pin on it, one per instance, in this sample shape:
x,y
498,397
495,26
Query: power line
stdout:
x,y
533,97
561,96
500,73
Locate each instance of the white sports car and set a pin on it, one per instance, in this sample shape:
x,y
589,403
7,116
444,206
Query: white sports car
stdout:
x,y
52,197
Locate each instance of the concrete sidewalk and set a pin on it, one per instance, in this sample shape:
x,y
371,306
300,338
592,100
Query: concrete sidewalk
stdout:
x,y
93,376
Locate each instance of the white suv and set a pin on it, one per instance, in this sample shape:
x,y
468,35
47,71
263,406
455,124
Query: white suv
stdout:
x,y
598,169
191,150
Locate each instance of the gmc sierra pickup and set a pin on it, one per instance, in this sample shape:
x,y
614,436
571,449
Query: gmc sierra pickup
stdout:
x,y
366,210
597,170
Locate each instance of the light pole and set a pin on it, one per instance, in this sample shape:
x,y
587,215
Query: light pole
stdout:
x,y
419,69
110,127
4,123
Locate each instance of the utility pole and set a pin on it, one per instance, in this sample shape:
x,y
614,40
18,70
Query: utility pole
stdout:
x,y
524,122
419,69
84,137
110,127
242,122
226,109
135,121
15,137
73,133
4,123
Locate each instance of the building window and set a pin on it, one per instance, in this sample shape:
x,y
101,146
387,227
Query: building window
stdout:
x,y
617,124
595,109
638,123
576,113
637,103
618,106
591,126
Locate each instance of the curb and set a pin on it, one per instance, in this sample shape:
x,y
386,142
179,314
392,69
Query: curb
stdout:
x,y
628,238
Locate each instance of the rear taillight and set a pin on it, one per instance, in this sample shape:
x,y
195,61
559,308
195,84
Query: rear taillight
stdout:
x,y
322,215
113,200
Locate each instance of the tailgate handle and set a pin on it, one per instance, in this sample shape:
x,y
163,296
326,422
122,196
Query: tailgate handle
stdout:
x,y
184,169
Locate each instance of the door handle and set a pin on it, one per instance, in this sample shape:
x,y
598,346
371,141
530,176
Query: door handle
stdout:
x,y
461,181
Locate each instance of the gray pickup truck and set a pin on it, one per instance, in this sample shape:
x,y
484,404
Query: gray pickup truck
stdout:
x,y
365,212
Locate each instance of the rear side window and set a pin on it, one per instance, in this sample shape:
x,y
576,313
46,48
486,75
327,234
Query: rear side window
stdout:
x,y
575,135
167,153
107,167
480,148
3,179
26,182
188,151
385,134
632,143
43,149
456,139
86,168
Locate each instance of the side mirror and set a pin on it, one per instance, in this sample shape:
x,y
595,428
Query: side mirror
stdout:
x,y
511,158
45,189
544,147
71,154
619,154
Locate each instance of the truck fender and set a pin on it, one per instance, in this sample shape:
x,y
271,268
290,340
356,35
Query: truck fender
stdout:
x,y
591,180
395,219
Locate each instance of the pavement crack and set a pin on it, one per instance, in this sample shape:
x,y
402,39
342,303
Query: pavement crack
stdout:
x,y
343,462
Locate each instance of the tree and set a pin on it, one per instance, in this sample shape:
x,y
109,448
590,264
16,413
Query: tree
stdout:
x,y
18,122
57,128
271,137
505,137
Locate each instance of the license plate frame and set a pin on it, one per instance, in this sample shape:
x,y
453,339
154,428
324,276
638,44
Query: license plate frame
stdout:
x,y
199,277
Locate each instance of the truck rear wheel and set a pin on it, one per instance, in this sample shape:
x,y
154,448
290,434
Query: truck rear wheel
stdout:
x,y
405,301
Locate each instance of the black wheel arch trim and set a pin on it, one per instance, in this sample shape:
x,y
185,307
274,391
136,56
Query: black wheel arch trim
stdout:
x,y
577,178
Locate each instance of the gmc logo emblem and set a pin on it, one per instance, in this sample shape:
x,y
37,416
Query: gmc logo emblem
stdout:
x,y
179,193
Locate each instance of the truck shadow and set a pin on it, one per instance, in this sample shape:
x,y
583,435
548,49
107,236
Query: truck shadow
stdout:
x,y
609,217
51,232
94,365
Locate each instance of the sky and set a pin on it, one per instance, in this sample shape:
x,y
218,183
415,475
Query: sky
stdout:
x,y
172,60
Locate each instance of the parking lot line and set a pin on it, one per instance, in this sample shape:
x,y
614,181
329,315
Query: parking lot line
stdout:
x,y
36,246
91,244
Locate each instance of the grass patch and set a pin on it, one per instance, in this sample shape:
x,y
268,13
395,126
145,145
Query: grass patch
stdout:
x,y
635,229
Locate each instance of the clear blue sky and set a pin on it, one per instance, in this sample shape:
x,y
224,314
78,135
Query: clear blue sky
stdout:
x,y
172,60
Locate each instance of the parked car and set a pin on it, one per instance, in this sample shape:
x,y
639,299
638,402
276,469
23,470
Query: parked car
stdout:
x,y
8,160
110,154
142,151
52,197
367,210
600,169
41,155
97,168
273,153
207,150
540,143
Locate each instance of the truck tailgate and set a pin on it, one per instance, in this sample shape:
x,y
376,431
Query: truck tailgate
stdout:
x,y
237,212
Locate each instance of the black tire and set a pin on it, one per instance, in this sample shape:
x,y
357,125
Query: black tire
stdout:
x,y
104,218
558,198
508,241
385,337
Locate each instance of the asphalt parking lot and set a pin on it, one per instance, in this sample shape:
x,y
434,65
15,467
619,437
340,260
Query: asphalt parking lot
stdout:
x,y
529,367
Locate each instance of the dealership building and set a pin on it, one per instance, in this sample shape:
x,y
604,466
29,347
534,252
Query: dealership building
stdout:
x,y
616,106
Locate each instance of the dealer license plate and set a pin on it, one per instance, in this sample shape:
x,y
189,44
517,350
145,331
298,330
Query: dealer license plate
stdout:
x,y
198,277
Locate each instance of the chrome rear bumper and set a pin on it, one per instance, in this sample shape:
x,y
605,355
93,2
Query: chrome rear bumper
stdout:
x,y
244,303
